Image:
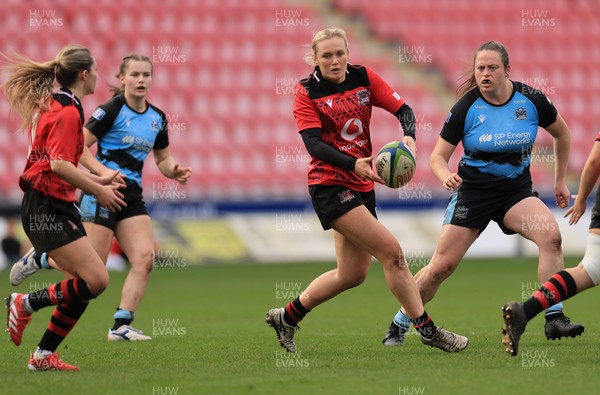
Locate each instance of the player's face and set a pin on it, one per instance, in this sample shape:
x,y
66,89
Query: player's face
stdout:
x,y
332,59
137,79
490,73
91,79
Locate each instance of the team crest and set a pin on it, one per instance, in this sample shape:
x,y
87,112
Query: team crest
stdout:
x,y
364,97
345,196
155,126
460,212
521,113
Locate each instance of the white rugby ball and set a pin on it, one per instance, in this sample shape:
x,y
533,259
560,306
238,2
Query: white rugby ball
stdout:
x,y
395,163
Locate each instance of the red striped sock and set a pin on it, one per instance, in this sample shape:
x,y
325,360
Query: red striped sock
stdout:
x,y
424,325
561,286
64,317
73,290
294,312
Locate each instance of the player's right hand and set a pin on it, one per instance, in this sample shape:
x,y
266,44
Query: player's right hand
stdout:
x,y
364,169
451,181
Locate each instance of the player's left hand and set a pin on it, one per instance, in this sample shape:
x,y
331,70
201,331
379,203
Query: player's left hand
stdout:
x,y
181,174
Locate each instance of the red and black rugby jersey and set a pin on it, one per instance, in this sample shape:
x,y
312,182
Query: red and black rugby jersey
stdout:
x,y
57,135
343,113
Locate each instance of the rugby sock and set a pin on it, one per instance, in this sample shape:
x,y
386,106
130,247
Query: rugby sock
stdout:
x,y
41,260
123,317
294,312
402,321
553,311
69,291
64,317
44,261
425,326
561,286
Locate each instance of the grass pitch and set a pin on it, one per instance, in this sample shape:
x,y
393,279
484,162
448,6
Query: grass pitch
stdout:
x,y
210,338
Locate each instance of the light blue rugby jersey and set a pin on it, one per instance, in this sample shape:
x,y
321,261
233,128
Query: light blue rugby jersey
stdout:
x,y
497,139
125,137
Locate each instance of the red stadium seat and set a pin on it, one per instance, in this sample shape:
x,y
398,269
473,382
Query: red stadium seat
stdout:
x,y
228,86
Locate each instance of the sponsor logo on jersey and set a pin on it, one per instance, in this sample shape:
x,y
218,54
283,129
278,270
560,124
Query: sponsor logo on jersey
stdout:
x,y
352,129
485,137
448,117
364,97
99,114
521,113
129,139
396,96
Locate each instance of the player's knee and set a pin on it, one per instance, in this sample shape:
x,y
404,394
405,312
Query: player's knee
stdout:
x,y
392,256
98,284
442,269
143,262
355,278
552,240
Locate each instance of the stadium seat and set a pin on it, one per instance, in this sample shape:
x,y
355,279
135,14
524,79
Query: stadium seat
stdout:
x,y
235,88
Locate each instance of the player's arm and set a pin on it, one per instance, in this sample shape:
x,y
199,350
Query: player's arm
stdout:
x,y
550,119
88,160
385,97
309,125
169,167
589,178
97,126
451,135
406,116
106,192
317,148
98,172
62,141
562,142
438,161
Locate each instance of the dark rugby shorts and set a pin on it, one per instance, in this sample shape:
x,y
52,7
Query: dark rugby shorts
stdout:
x,y
475,208
92,212
50,223
333,201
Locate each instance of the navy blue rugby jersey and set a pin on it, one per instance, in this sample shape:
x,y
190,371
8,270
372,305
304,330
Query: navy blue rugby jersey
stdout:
x,y
125,137
497,139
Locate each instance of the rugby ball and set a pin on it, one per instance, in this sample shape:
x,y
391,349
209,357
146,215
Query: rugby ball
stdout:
x,y
395,163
